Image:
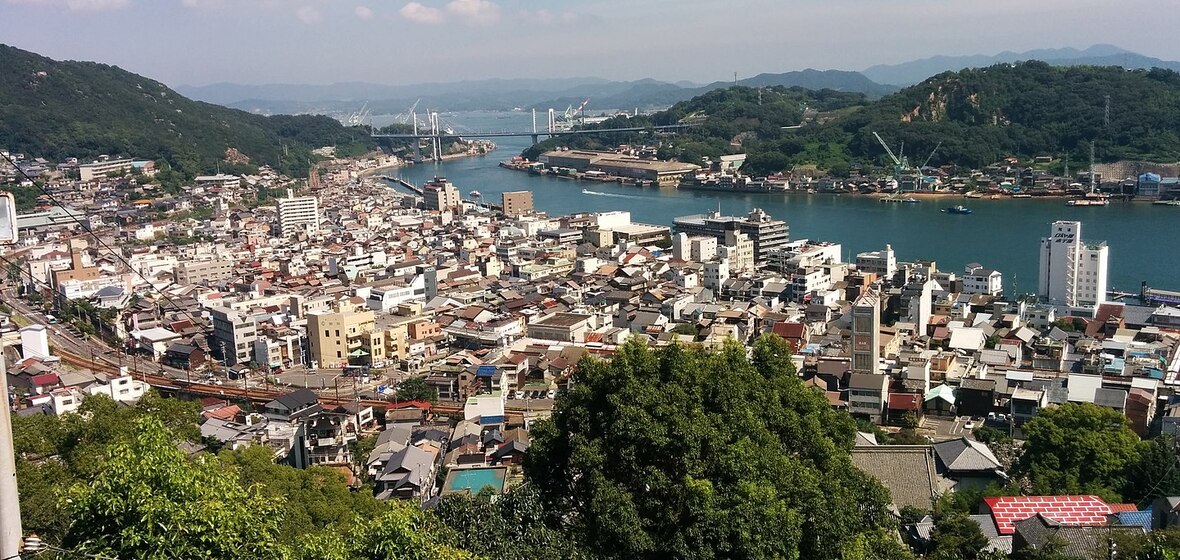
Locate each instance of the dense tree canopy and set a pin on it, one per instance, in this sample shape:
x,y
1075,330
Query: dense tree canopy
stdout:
x,y
150,501
59,109
511,526
1078,449
978,115
685,453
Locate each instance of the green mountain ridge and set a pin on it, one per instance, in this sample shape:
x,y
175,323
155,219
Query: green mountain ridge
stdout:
x,y
978,115
60,109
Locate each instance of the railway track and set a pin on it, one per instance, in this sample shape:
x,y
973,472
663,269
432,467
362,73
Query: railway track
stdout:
x,y
257,396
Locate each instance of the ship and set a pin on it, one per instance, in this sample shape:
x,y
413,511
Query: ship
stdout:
x,y
731,183
1091,199
959,209
474,194
906,200
1166,203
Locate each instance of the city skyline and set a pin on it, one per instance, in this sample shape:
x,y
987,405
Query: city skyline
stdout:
x,y
199,42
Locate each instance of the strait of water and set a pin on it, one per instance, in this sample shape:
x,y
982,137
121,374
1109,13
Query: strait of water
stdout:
x,y
1000,234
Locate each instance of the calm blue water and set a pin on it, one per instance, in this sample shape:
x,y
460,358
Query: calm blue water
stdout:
x,y
1001,234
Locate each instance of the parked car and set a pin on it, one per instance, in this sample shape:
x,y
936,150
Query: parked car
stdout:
x,y
551,394
520,394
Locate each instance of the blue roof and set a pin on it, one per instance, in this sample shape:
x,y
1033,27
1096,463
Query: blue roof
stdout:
x,y
1152,177
1136,518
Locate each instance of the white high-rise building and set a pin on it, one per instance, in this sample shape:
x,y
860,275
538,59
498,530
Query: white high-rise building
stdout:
x,y
1072,272
298,214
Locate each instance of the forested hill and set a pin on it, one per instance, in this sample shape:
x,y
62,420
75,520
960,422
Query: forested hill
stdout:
x,y
60,109
979,116
1025,110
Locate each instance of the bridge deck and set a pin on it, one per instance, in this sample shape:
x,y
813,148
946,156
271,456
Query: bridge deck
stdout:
x,y
502,134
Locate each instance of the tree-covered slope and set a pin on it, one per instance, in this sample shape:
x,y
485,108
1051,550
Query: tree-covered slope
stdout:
x,y
979,116
66,109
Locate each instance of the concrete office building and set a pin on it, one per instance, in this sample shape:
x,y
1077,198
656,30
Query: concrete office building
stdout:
x,y
233,335
769,235
440,194
1072,272
866,333
201,272
516,203
298,214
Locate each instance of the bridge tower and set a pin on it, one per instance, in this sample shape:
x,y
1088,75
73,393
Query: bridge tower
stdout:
x,y
535,137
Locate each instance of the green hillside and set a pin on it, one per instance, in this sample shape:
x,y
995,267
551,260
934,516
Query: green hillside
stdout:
x,y
66,109
979,116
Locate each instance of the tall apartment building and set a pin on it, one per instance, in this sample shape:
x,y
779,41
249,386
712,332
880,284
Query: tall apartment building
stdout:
x,y
1072,272
881,263
233,336
517,202
769,235
201,272
298,214
866,333
440,194
99,169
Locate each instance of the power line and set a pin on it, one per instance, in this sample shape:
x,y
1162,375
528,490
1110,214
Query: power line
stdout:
x,y
86,227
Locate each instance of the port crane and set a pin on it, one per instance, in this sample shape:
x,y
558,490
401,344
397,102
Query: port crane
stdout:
x,y
900,164
359,117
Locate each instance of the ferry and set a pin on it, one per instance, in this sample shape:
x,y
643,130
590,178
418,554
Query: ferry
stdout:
x,y
906,200
731,183
959,209
1090,199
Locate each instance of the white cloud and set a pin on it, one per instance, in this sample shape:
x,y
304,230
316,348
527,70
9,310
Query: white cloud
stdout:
x,y
308,14
77,5
363,12
475,12
421,14
546,17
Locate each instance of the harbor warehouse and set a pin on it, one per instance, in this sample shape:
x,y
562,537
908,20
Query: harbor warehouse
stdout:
x,y
620,165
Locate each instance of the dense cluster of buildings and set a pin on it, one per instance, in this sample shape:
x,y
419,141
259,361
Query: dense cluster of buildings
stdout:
x,y
494,308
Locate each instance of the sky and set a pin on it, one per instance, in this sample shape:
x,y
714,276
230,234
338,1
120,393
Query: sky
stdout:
x,y
198,42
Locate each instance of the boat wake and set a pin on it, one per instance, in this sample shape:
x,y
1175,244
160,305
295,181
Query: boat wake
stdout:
x,y
612,195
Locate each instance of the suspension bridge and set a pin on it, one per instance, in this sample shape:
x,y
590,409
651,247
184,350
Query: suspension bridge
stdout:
x,y
435,130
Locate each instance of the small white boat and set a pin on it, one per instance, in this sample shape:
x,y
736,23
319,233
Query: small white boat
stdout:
x,y
474,194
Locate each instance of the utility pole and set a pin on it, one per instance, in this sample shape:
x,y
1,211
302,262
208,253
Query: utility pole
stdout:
x,y
10,522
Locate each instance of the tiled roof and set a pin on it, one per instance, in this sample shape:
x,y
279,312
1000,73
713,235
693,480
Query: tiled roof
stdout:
x,y
907,471
1120,508
1067,510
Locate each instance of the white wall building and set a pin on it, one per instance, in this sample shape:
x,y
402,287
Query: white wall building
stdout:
x,y
980,280
881,263
1072,272
298,214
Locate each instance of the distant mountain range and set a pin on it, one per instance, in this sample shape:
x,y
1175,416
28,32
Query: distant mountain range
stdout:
x,y
347,98
501,94
908,73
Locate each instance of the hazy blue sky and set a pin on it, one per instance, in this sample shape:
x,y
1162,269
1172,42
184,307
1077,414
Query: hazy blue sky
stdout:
x,y
393,41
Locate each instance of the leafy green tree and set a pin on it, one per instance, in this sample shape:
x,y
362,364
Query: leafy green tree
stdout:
x,y
321,494
403,531
151,501
513,527
416,389
1155,473
956,537
685,453
1078,449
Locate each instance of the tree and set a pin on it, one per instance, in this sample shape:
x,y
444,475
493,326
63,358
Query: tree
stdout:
x,y
685,453
401,532
1155,472
151,501
513,527
1078,449
956,537
321,494
416,389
